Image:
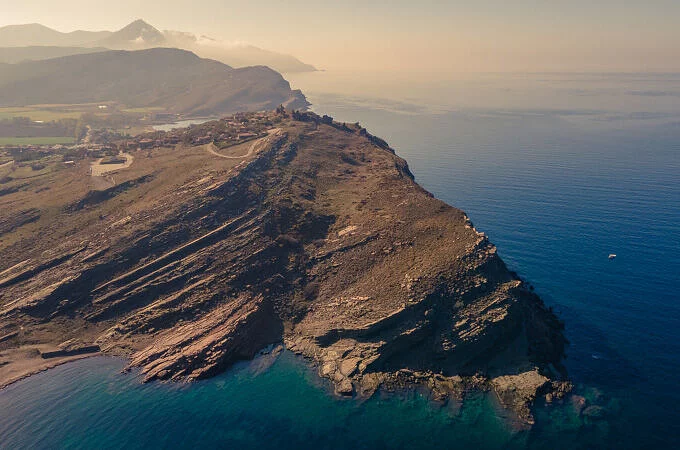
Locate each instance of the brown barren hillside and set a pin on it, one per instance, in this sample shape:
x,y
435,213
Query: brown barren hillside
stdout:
x,y
318,238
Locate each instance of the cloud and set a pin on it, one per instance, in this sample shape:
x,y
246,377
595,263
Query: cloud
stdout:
x,y
185,39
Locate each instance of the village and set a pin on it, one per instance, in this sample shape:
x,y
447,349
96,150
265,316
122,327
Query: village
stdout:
x,y
106,145
223,133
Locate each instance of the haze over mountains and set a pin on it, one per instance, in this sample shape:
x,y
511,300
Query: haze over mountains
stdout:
x,y
36,42
173,79
12,55
36,34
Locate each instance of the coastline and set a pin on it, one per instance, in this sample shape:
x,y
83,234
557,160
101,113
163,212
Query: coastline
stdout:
x,y
50,364
440,390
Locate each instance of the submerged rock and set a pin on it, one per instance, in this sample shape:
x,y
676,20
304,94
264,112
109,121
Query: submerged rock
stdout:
x,y
594,412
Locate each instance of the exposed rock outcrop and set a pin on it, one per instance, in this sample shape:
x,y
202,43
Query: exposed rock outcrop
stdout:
x,y
320,239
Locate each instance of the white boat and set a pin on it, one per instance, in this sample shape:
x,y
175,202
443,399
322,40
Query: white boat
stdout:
x,y
612,256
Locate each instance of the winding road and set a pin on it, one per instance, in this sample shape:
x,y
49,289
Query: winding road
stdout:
x,y
212,149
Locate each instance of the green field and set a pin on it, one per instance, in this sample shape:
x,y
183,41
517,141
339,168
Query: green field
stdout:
x,y
36,140
38,113
147,110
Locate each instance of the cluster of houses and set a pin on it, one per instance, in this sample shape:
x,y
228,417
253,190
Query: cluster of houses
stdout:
x,y
233,130
228,131
24,153
16,150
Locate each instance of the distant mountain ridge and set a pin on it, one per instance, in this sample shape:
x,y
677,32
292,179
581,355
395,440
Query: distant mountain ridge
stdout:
x,y
137,35
14,55
176,80
35,34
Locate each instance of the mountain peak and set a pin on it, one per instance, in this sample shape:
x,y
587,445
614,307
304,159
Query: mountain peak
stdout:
x,y
139,25
140,22
138,33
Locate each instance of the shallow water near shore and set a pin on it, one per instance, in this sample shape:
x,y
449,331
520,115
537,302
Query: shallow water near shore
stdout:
x,y
90,404
559,171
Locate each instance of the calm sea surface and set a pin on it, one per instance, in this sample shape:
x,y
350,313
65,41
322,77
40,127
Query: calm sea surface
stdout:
x,y
560,171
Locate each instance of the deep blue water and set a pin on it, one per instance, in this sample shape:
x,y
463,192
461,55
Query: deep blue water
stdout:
x,y
559,171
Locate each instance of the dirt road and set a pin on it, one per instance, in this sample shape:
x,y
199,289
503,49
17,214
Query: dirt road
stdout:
x,y
212,149
97,169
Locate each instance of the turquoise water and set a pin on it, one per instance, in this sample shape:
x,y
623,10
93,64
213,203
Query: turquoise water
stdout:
x,y
88,404
560,171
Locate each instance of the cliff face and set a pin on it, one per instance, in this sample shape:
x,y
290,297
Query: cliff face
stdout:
x,y
320,239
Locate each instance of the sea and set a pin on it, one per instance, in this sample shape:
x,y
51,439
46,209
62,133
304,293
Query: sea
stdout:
x,y
561,171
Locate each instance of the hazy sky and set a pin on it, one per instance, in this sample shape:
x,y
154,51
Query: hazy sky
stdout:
x,y
424,36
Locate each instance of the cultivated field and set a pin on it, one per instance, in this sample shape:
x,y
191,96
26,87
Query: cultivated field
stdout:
x,y
50,140
42,113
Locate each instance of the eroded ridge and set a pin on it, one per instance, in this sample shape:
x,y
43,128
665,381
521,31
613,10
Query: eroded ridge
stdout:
x,y
320,239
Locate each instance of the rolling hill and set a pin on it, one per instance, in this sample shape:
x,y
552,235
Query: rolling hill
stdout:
x,y
176,80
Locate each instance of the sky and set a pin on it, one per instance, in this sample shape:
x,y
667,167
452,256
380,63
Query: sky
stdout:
x,y
428,36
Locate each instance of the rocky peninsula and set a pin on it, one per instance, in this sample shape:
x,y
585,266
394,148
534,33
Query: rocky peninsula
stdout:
x,y
314,235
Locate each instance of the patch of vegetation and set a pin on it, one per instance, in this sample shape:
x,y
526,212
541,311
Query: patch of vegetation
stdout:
x,y
147,110
38,113
24,127
114,160
48,140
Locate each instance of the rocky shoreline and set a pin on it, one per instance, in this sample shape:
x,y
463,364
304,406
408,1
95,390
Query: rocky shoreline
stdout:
x,y
320,239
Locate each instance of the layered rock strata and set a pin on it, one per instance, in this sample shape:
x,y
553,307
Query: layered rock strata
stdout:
x,y
320,239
